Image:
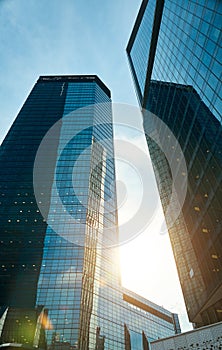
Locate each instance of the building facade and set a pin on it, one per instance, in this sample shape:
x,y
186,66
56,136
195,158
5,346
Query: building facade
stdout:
x,y
174,54
59,228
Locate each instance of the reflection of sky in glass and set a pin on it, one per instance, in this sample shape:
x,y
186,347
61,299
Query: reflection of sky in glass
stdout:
x,y
75,279
64,262
142,44
136,341
187,57
188,50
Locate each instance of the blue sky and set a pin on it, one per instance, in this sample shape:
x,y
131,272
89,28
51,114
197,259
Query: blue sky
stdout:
x,y
63,37
83,37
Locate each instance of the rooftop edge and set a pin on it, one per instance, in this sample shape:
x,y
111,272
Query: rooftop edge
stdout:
x,y
75,78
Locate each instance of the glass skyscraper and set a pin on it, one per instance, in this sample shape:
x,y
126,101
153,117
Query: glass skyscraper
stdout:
x,y
59,228
175,58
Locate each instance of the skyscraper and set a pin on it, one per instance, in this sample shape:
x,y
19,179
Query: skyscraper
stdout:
x,y
174,54
59,222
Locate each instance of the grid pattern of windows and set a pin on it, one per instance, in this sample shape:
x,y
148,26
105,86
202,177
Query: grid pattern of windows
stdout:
x,y
181,108
71,272
22,226
142,44
185,92
189,49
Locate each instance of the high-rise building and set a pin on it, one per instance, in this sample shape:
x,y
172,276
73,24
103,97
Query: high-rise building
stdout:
x,y
175,58
58,227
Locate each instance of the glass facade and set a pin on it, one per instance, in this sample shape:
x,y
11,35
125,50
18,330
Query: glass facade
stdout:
x,y
182,86
142,45
59,236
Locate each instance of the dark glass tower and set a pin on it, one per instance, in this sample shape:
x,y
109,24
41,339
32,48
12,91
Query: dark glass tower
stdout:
x,y
174,53
59,225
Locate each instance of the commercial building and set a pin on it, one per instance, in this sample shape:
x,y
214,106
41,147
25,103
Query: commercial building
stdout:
x,y
174,53
58,226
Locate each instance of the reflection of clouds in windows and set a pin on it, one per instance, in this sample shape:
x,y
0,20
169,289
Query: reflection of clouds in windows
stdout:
x,y
69,279
136,340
